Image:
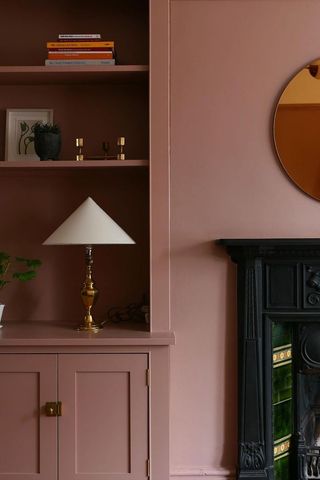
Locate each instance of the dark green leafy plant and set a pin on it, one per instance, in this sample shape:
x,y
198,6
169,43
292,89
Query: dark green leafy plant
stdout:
x,y
16,268
39,128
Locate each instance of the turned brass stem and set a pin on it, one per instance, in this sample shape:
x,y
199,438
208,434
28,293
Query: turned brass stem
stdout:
x,y
89,295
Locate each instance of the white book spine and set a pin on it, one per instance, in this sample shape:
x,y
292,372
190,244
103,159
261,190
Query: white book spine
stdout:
x,y
65,36
110,61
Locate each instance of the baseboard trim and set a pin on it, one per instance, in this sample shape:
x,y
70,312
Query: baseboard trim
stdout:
x,y
200,472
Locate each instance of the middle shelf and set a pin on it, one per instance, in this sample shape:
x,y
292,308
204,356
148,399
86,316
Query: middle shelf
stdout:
x,y
72,164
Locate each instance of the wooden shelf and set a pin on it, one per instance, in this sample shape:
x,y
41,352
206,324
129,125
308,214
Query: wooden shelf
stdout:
x,y
46,75
72,164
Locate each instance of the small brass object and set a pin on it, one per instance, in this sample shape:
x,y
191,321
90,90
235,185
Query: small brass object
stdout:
x,y
89,294
79,145
53,409
121,141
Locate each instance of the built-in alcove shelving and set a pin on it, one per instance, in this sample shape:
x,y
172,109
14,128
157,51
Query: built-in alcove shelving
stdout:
x,y
113,385
99,104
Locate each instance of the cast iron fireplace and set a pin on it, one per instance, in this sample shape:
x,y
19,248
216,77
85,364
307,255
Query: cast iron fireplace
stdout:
x,y
279,357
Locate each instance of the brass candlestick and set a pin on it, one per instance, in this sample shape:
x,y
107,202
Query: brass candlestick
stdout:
x,y
89,295
79,145
121,141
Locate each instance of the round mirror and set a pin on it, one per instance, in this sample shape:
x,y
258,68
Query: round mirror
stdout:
x,y
297,129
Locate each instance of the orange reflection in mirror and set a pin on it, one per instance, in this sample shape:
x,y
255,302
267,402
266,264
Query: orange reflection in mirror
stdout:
x,y
297,130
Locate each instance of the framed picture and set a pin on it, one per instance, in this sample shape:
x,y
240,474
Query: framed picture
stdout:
x,y
19,132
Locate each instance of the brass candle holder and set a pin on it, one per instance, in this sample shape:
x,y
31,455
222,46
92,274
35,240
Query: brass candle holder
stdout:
x,y
79,145
121,141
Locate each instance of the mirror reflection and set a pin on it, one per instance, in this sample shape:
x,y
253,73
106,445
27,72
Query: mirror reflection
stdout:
x,y
297,129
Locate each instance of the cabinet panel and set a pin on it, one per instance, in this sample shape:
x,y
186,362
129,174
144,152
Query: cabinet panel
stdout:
x,y
104,427
27,437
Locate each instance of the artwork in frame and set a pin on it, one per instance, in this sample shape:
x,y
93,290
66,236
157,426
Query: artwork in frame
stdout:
x,y
19,132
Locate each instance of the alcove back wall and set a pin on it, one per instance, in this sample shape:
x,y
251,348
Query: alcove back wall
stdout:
x,y
230,60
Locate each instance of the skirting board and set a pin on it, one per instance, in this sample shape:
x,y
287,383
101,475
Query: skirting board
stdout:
x,y
201,473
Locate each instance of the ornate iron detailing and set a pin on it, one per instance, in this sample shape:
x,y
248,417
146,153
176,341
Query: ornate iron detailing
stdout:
x,y
252,456
313,282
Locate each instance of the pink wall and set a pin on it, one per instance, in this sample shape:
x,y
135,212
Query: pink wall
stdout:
x,y
230,60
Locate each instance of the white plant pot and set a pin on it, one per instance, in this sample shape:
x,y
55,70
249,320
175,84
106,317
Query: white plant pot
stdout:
x,y
1,312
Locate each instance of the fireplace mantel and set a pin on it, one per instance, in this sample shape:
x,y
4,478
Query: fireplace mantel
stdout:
x,y
278,281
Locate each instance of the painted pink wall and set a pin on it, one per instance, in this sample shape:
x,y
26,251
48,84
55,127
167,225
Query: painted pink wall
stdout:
x,y
230,60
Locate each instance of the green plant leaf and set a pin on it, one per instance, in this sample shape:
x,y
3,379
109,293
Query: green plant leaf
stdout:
x,y
24,276
30,263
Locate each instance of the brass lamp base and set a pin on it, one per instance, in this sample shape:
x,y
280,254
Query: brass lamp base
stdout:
x,y
88,325
89,295
92,328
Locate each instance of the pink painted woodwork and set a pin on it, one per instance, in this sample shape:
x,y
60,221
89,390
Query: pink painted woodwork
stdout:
x,y
159,166
104,430
45,334
41,75
135,416
104,424
27,437
111,421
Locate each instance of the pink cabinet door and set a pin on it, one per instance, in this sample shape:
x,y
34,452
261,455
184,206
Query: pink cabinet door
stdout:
x,y
103,430
28,438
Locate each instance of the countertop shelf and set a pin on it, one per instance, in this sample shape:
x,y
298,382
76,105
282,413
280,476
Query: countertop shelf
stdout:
x,y
72,74
38,334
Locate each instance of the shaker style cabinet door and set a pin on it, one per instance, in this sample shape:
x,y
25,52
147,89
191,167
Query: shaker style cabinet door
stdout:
x,y
28,438
103,430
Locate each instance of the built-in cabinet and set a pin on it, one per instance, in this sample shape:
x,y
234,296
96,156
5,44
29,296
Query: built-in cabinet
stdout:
x,y
113,385
81,415
113,419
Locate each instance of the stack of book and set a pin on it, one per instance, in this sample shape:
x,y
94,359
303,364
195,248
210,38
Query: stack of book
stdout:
x,y
80,49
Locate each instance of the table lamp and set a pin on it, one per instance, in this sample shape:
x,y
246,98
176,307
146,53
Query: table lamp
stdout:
x,y
88,225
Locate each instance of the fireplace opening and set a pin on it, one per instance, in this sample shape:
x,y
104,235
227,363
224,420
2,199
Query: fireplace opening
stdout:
x,y
296,400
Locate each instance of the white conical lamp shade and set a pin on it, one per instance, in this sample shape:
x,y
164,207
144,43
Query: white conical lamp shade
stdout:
x,y
88,225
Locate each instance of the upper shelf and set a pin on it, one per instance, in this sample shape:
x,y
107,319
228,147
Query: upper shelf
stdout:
x,y
39,75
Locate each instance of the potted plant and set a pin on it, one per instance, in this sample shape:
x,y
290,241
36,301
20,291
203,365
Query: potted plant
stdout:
x,y
47,140
16,268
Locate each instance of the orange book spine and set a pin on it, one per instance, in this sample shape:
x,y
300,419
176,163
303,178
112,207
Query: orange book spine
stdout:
x,y
80,45
79,55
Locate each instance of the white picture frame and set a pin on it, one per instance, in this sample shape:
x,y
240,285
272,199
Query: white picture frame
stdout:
x,y
19,144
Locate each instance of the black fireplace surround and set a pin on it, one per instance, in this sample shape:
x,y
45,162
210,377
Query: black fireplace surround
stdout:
x,y
278,296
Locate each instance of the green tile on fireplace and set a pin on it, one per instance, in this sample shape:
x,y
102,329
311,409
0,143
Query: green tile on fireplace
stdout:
x,y
282,419
281,334
281,468
282,383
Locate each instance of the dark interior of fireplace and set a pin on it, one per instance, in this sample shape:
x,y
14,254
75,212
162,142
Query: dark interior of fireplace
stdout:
x,y
296,400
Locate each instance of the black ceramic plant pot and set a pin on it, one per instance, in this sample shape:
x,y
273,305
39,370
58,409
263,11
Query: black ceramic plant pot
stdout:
x,y
47,145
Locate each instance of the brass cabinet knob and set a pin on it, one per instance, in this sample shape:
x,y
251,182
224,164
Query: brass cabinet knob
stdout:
x,y
53,409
